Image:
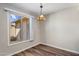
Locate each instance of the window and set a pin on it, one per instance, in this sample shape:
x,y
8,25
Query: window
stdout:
x,y
19,27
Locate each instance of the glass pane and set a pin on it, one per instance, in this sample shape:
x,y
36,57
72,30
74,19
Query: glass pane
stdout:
x,y
25,28
15,27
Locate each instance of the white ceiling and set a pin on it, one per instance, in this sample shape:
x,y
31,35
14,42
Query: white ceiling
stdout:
x,y
48,8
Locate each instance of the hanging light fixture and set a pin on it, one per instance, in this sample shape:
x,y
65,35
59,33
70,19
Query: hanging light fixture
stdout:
x,y
41,17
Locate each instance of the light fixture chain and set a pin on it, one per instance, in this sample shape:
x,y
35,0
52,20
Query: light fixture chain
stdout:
x,y
41,6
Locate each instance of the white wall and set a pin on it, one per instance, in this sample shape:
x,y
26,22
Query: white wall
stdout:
x,y
61,29
4,48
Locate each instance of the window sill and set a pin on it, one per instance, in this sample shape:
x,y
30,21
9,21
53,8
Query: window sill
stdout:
x,y
18,42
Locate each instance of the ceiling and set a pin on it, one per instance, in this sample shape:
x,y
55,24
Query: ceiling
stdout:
x,y
34,8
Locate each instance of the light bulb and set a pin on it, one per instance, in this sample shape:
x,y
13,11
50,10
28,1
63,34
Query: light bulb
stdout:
x,y
41,15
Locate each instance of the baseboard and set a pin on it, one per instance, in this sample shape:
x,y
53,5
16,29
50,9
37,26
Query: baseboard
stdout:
x,y
43,44
24,49
60,48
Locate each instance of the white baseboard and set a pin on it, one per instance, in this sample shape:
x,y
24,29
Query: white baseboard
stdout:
x,y
61,48
24,49
43,44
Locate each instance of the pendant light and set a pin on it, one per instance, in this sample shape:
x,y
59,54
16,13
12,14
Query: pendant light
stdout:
x,y
41,17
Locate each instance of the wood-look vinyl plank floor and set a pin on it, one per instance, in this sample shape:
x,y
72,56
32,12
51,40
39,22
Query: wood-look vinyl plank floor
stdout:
x,y
43,50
